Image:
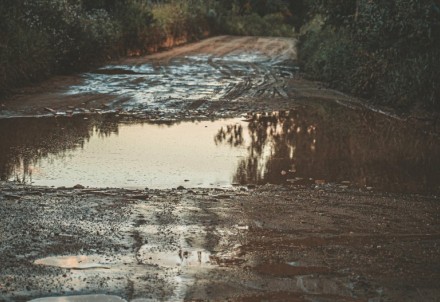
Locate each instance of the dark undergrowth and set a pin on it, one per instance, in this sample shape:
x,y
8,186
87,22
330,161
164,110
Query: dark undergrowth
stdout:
x,y
384,51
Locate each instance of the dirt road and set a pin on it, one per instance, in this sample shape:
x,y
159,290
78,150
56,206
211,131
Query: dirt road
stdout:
x,y
303,240
220,76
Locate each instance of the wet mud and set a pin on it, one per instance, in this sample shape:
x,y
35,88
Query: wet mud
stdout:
x,y
216,77
269,243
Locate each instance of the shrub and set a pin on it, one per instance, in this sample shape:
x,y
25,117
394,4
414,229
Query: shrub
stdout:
x,y
256,25
324,53
43,37
135,19
384,50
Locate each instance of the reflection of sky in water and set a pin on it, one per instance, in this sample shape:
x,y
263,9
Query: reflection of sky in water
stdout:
x,y
185,78
142,155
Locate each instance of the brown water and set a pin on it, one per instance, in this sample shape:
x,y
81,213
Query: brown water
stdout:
x,y
107,152
302,146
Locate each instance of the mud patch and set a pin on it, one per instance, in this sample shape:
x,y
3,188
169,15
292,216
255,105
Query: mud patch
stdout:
x,y
188,78
153,255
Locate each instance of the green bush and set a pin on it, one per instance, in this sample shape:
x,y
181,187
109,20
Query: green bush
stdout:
x,y
25,53
388,51
256,25
98,38
135,19
44,37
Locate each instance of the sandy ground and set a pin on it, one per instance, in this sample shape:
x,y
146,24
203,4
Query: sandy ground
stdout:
x,y
269,243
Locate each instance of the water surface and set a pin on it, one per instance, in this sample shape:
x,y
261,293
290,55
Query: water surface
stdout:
x,y
307,145
106,152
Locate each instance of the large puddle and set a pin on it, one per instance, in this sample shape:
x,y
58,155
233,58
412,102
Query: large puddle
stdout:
x,y
105,152
302,146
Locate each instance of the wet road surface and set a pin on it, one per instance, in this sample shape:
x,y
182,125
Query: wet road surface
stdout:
x,y
283,190
217,76
270,243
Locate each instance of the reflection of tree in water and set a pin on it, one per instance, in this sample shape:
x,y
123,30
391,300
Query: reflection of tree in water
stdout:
x,y
274,140
333,143
24,141
232,135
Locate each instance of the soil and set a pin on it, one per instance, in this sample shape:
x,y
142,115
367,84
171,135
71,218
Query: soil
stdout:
x,y
311,242
269,243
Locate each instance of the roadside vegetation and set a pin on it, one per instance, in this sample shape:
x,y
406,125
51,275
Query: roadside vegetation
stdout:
x,y
384,51
260,17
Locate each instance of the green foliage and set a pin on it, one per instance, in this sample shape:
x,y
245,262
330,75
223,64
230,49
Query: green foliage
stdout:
x,y
388,51
183,18
255,25
135,19
262,17
326,52
43,37
24,52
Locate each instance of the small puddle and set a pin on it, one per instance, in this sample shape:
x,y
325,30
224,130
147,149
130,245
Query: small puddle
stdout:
x,y
305,146
153,255
147,254
81,262
84,298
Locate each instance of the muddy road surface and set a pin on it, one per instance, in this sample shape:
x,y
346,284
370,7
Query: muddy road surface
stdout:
x,y
219,77
215,77
214,172
271,243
